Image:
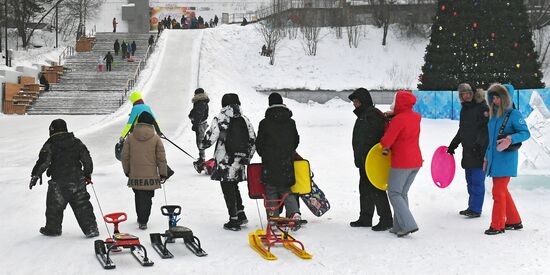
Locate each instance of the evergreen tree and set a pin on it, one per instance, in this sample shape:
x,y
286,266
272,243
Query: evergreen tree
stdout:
x,y
480,42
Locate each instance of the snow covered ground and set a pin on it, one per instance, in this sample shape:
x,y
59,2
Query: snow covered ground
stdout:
x,y
446,243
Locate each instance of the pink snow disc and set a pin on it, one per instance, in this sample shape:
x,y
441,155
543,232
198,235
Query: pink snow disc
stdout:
x,y
443,167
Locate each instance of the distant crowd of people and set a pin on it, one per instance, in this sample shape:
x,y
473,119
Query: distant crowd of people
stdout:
x,y
127,50
191,22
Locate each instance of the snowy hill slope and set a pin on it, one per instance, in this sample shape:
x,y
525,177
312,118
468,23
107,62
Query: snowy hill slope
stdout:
x,y
445,244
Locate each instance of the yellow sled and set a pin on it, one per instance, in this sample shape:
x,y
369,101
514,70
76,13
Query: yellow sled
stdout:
x,y
257,245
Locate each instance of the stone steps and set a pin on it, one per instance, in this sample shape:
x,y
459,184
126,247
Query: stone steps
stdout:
x,y
83,90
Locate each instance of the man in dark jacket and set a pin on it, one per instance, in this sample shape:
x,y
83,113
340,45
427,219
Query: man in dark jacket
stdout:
x,y
124,48
134,48
367,132
198,116
116,47
70,166
276,143
473,135
108,60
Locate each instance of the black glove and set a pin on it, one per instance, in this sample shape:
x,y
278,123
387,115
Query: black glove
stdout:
x,y
163,179
88,180
451,151
33,181
194,127
386,151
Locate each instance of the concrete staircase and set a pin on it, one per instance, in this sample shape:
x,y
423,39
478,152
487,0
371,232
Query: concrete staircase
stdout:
x,y
82,90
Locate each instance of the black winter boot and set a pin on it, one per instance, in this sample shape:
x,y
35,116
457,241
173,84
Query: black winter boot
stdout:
x,y
234,224
383,226
492,231
242,217
516,226
48,232
361,223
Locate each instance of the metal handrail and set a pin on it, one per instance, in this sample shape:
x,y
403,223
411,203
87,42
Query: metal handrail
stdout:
x,y
68,51
132,81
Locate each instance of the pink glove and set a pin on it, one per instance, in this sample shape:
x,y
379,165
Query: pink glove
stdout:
x,y
484,165
504,143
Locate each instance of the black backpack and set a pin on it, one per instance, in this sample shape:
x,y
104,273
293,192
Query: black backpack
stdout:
x,y
236,140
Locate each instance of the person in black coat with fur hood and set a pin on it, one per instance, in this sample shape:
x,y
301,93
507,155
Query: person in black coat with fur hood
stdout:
x,y
67,160
198,116
474,137
276,143
367,132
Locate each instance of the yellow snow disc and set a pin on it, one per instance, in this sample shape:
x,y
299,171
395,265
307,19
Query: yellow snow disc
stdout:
x,y
378,167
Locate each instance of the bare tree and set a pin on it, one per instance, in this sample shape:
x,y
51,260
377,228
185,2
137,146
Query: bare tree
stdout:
x,y
272,33
310,31
381,13
22,11
354,35
77,12
353,29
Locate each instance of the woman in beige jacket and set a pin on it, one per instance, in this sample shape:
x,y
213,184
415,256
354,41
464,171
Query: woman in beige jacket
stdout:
x,y
144,163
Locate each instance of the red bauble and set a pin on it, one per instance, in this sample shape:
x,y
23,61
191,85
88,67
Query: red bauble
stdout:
x,y
516,45
493,35
443,8
455,13
474,25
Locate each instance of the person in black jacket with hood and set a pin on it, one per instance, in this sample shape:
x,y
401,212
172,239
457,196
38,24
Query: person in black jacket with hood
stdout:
x,y
198,116
116,46
70,166
473,135
367,132
276,143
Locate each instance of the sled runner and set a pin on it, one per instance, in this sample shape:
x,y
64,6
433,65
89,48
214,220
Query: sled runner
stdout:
x,y
262,241
175,232
119,240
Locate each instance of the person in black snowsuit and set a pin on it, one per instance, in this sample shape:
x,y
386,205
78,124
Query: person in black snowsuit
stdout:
x,y
108,60
116,47
368,130
182,20
151,40
244,22
67,160
216,20
276,143
473,135
134,47
198,116
124,48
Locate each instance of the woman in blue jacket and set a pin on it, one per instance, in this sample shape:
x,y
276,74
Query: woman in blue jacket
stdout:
x,y
506,129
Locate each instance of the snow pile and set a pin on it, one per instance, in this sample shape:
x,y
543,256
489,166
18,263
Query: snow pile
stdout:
x,y
335,67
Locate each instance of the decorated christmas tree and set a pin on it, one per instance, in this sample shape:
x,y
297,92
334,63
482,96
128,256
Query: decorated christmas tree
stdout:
x,y
480,42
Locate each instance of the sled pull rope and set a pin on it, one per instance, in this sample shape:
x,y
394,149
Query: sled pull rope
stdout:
x,y
259,215
101,210
164,137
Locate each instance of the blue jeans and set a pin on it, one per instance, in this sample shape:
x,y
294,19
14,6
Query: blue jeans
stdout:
x,y
475,178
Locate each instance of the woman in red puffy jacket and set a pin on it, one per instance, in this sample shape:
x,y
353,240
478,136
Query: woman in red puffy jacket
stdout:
x,y
401,138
